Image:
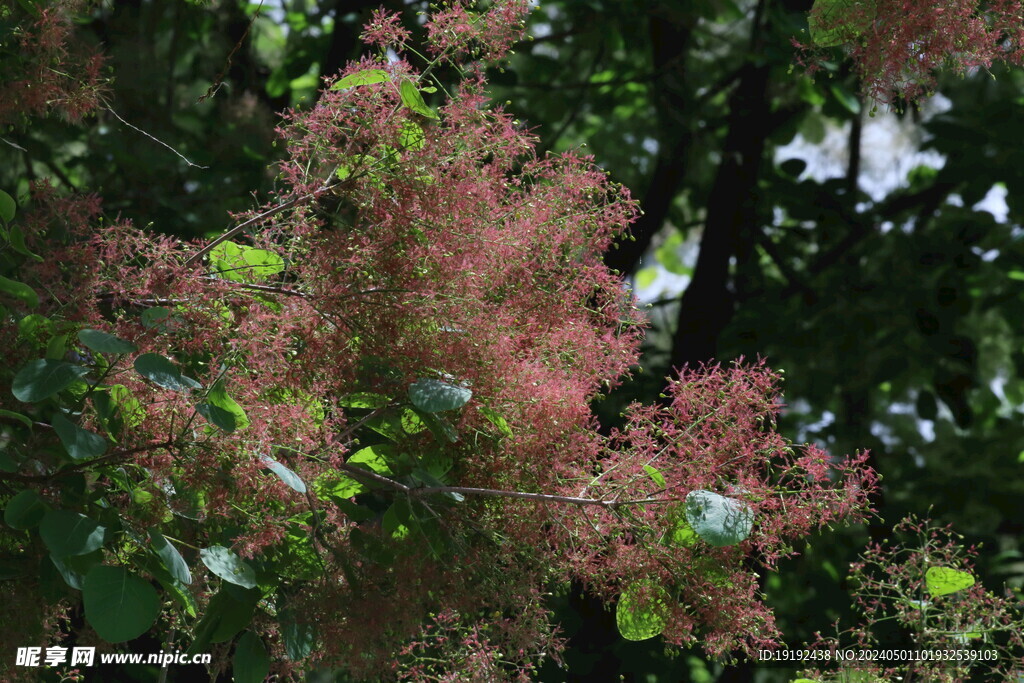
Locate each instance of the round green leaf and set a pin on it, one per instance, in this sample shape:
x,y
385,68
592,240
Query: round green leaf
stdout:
x,y
251,661
242,263
170,557
946,580
433,395
718,520
25,510
7,207
119,605
228,566
164,373
105,343
363,399
80,443
42,378
642,611
69,533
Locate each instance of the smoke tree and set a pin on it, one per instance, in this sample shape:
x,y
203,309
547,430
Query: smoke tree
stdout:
x,y
898,46
354,430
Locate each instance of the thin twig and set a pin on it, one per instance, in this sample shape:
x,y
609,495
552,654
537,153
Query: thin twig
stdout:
x,y
154,139
111,457
257,219
417,492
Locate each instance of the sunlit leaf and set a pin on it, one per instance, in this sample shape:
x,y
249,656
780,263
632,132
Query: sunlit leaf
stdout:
x,y
946,580
228,566
718,520
364,77
642,610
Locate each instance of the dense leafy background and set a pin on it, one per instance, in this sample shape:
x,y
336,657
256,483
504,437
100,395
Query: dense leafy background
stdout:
x,y
896,318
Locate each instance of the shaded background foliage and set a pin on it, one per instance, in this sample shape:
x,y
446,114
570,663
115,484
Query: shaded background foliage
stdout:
x,y
894,312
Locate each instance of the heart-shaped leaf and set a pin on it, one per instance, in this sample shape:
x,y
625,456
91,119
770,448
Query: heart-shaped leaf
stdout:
x,y
119,605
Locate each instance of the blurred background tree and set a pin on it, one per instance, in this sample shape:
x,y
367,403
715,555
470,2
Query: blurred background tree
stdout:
x,y
873,254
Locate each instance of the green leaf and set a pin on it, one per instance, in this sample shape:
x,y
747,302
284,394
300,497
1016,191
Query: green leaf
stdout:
x,y
230,614
645,277
164,373
73,568
251,661
642,611
105,343
23,419
375,458
130,407
299,637
364,400
156,317
7,207
69,533
656,476
20,291
241,263
680,533
362,163
35,328
434,396
119,605
496,419
946,580
411,421
290,479
718,520
17,237
170,557
412,99
338,486
668,255
79,443
25,510
411,136
393,521
217,416
364,77
218,397
228,566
